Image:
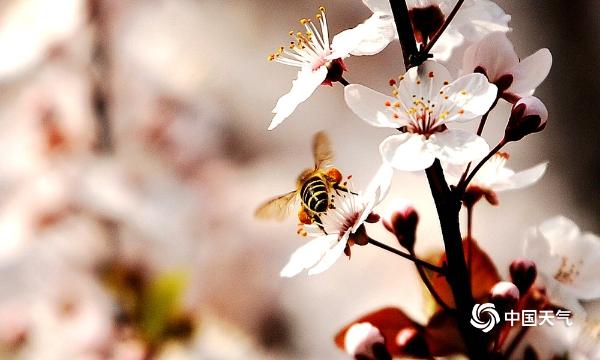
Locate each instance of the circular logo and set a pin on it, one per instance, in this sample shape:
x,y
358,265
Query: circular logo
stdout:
x,y
492,318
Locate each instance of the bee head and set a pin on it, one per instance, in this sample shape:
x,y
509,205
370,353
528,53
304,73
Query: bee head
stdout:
x,y
334,175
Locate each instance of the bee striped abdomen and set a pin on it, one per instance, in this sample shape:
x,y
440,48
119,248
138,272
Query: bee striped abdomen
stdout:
x,y
314,194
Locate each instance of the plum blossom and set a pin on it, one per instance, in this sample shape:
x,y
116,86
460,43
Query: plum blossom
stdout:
x,y
495,56
475,19
422,104
567,261
337,227
321,62
495,177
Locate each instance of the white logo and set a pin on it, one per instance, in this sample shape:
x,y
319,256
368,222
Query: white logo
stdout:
x,y
493,317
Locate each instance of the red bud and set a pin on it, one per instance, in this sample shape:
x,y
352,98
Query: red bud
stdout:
x,y
403,224
528,116
523,273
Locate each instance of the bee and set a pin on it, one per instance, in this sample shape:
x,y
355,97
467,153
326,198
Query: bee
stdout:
x,y
313,189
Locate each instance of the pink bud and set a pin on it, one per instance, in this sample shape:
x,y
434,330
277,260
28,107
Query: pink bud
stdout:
x,y
412,343
505,295
362,340
523,273
403,224
528,116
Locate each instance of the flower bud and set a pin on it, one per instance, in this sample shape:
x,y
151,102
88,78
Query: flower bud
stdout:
x,y
403,224
528,116
412,343
505,295
523,273
362,340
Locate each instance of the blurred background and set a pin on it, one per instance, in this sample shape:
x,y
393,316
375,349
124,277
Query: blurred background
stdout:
x,y
134,151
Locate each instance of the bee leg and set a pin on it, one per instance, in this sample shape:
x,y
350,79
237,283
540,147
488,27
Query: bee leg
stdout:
x,y
339,187
317,220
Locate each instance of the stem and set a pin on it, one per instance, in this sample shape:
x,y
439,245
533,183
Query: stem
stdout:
x,y
343,81
439,33
448,207
408,256
482,123
430,287
469,239
463,185
405,31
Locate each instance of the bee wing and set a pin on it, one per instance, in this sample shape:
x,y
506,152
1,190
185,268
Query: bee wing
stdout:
x,y
322,152
277,208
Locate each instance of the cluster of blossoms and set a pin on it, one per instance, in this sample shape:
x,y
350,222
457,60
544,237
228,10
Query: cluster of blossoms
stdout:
x,y
423,107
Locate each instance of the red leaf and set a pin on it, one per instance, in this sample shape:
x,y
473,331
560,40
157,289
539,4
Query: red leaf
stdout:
x,y
389,321
443,336
483,275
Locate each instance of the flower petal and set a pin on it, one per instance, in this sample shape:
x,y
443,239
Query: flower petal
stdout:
x,y
407,152
331,256
302,88
449,40
469,96
369,105
423,81
457,146
522,178
368,38
378,5
494,53
479,18
375,192
308,255
530,72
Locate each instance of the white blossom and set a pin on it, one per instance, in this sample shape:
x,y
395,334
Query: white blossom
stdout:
x,y
320,61
567,261
422,104
495,56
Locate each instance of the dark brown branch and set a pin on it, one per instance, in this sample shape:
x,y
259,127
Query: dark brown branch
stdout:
x,y
405,32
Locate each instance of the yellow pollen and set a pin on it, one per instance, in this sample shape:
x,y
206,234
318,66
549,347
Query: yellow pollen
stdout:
x,y
291,32
322,8
418,82
318,16
271,57
304,21
401,77
394,93
396,104
463,93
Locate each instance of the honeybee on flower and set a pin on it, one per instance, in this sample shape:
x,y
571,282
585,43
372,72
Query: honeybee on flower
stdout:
x,y
314,189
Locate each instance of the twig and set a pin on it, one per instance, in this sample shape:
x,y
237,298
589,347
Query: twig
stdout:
x,y
439,33
430,287
343,81
463,185
408,256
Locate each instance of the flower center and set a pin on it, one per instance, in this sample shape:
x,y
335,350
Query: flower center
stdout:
x,y
308,48
567,272
349,222
420,116
426,21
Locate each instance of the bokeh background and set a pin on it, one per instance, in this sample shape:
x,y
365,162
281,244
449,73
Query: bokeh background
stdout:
x,y
134,150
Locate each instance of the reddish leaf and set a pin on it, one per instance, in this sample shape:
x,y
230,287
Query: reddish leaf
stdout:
x,y
483,275
389,321
443,336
